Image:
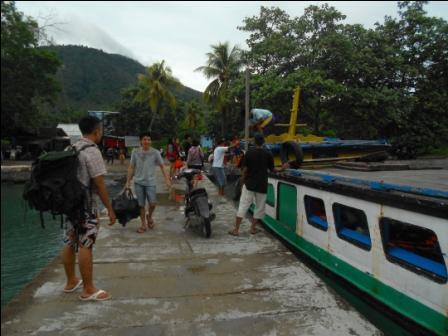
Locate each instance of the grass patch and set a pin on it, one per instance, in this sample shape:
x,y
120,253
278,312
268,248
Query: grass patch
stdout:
x,y
441,151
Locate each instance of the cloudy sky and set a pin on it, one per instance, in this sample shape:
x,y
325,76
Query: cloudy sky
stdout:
x,y
179,32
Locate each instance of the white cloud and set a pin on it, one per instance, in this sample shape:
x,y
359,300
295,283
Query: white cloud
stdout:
x,y
75,30
180,32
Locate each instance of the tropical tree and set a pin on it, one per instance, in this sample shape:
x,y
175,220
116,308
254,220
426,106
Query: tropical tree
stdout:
x,y
193,116
223,66
27,71
389,81
156,89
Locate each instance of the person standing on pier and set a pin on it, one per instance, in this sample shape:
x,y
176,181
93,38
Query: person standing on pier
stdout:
x,y
91,172
195,157
255,166
172,153
218,165
142,167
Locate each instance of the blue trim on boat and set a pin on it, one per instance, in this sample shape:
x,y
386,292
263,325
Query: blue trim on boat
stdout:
x,y
418,261
316,220
332,143
354,235
374,185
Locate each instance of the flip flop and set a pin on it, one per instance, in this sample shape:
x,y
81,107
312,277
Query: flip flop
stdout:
x,y
233,233
71,290
255,231
141,230
150,223
95,296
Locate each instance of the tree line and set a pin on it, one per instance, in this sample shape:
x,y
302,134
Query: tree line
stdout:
x,y
389,81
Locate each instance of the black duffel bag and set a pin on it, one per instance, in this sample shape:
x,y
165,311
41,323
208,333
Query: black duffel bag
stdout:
x,y
125,206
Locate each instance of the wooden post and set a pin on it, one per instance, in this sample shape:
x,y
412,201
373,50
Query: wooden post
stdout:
x,y
246,119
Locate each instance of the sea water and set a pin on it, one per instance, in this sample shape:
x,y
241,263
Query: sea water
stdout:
x,y
26,247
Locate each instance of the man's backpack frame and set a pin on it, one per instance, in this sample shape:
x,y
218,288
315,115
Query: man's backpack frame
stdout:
x,y
54,186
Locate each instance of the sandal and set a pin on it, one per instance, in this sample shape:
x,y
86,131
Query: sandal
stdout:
x,y
141,229
254,231
71,290
96,296
233,233
150,222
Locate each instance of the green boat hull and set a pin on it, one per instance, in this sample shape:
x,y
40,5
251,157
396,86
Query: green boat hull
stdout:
x,y
399,302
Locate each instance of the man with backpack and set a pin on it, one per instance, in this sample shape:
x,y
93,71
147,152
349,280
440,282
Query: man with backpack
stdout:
x,y
83,234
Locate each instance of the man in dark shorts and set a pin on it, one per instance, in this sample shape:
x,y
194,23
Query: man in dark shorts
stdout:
x,y
91,172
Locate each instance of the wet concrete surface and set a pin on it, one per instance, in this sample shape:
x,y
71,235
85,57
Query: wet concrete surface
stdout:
x,y
172,281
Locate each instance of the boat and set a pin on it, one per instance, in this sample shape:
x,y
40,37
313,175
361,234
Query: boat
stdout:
x,y
314,151
383,234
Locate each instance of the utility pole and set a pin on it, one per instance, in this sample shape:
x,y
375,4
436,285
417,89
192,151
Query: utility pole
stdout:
x,y
246,119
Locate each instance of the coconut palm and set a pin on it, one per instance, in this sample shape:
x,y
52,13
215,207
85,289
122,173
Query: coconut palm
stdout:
x,y
192,116
155,88
222,66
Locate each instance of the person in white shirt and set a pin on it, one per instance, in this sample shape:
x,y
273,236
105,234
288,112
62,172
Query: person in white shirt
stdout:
x,y
218,165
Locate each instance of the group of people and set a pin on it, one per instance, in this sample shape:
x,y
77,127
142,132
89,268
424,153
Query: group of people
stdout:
x,y
144,161
111,153
188,154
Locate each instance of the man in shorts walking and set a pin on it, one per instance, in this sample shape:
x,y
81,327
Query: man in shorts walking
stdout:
x,y
255,166
91,172
144,161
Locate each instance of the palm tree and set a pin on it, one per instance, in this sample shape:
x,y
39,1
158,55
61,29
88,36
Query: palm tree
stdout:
x,y
222,66
193,116
155,88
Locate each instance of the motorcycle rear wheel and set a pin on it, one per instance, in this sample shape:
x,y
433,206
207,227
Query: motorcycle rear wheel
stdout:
x,y
206,227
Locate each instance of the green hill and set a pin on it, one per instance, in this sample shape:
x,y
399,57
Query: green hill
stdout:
x,y
92,79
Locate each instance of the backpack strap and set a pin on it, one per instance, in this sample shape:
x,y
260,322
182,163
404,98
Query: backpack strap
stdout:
x,y
83,147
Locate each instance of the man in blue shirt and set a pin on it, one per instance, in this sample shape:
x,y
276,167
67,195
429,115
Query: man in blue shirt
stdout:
x,y
261,120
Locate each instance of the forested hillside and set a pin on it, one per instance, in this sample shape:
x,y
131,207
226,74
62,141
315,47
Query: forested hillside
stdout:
x,y
94,80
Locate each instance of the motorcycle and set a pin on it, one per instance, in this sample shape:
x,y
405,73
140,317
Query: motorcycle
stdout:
x,y
197,205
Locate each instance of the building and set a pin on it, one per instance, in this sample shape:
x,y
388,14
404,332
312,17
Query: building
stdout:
x,y
72,131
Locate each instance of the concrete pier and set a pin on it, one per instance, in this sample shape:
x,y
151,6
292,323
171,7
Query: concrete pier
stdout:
x,y
172,281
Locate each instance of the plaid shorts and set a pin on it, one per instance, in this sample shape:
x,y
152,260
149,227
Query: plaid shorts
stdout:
x,y
87,234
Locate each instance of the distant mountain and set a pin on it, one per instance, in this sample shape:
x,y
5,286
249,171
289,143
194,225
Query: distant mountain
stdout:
x,y
92,79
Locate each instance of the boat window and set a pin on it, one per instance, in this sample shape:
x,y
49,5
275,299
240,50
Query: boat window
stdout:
x,y
270,198
315,212
413,247
351,225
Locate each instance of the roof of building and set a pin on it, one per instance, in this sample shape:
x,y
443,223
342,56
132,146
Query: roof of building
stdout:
x,y
70,129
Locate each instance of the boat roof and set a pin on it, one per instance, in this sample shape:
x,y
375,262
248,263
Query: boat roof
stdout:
x,y
436,179
424,191
425,182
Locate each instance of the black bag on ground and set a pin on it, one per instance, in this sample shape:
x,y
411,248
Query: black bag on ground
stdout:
x,y
125,206
54,186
